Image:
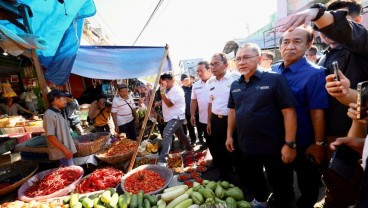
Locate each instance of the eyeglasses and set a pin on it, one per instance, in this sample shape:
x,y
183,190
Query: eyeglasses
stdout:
x,y
216,64
244,58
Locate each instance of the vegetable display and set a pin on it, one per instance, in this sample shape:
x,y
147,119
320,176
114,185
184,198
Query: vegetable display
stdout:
x,y
146,180
145,161
100,179
53,181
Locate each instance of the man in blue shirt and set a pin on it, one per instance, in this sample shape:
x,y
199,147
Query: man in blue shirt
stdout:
x,y
262,109
307,82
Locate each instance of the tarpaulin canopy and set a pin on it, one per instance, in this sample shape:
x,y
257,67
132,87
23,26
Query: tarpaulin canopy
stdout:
x,y
119,62
60,25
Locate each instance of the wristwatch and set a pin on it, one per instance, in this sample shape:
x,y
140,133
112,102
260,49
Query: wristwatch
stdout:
x,y
292,145
321,11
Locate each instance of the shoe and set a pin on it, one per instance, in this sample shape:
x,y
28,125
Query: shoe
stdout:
x,y
162,164
256,204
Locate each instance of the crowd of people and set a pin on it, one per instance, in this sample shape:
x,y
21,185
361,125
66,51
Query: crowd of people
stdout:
x,y
263,121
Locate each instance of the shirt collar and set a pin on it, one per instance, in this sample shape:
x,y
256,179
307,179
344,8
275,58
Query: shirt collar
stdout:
x,y
257,74
295,66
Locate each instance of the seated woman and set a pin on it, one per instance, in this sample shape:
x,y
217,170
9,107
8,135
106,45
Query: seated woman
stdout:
x,y
11,109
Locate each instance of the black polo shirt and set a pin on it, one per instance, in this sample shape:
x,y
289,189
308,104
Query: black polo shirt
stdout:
x,y
258,105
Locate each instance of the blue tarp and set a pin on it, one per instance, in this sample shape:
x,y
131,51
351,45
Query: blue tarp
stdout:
x,y
58,25
119,62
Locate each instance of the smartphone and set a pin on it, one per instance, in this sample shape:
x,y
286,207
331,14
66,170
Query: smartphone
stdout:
x,y
362,99
344,161
336,69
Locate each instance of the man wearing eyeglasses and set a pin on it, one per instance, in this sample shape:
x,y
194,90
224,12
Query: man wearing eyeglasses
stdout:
x,y
219,90
307,82
267,59
262,111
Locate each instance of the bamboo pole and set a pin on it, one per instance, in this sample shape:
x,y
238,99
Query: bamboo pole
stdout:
x,y
149,107
40,77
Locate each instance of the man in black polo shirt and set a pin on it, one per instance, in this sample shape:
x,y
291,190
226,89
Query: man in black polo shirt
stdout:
x,y
262,109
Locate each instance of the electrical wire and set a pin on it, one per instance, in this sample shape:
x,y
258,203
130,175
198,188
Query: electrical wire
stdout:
x,y
148,21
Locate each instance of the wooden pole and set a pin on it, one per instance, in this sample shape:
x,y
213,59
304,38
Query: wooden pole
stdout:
x,y
149,107
40,77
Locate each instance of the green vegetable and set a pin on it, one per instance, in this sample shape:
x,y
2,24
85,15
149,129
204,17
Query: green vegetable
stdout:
x,y
176,187
197,198
235,193
177,201
185,204
161,204
66,200
211,185
225,184
196,186
74,199
121,202
219,201
205,182
230,202
140,198
114,200
189,191
106,197
96,201
77,205
219,192
87,202
243,204
168,196
152,199
146,203
207,193
134,201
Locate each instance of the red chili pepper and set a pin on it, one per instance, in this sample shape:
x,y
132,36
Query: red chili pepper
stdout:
x,y
146,180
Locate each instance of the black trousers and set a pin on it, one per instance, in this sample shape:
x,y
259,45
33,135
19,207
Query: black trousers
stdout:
x,y
200,131
309,180
363,202
280,177
189,127
221,156
129,129
104,128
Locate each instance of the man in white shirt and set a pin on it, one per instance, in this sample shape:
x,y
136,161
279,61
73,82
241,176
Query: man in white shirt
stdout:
x,y
173,110
219,91
123,113
200,99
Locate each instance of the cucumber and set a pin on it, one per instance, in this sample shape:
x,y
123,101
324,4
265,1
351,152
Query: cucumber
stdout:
x,y
178,200
146,203
114,200
185,204
106,197
66,200
87,202
134,201
77,205
140,198
121,202
152,199
74,198
176,187
161,204
168,196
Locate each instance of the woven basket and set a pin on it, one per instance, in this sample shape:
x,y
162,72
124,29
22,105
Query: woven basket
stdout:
x,y
90,143
19,169
116,158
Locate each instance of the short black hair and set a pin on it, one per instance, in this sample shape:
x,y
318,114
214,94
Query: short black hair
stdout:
x,y
308,30
205,63
222,56
168,76
354,6
102,96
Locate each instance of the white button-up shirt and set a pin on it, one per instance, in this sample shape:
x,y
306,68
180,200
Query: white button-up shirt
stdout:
x,y
200,92
219,92
123,112
176,96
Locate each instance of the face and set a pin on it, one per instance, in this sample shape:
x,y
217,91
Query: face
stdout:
x,y
294,45
203,73
60,102
123,92
310,57
218,67
186,82
247,61
266,62
169,83
101,103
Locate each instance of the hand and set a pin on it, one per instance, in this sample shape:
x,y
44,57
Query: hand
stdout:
x,y
229,144
317,151
337,88
163,86
288,154
301,18
68,154
356,144
193,120
209,129
117,130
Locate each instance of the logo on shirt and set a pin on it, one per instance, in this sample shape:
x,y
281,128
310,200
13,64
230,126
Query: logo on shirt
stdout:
x,y
197,88
236,90
212,88
264,87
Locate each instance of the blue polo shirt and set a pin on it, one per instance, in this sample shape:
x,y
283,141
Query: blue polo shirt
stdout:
x,y
307,81
258,104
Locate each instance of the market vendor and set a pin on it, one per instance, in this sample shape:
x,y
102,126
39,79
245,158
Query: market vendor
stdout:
x,y
11,109
59,140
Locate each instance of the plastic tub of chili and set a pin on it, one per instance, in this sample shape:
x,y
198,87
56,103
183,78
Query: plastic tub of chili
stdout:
x,y
152,179
51,183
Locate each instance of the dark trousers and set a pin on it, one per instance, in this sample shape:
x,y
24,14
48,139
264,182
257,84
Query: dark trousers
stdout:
x,y
129,130
104,128
221,156
340,192
363,202
309,180
200,131
189,127
202,127
280,177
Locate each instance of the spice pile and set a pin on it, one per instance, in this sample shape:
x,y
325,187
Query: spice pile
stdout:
x,y
121,147
146,180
